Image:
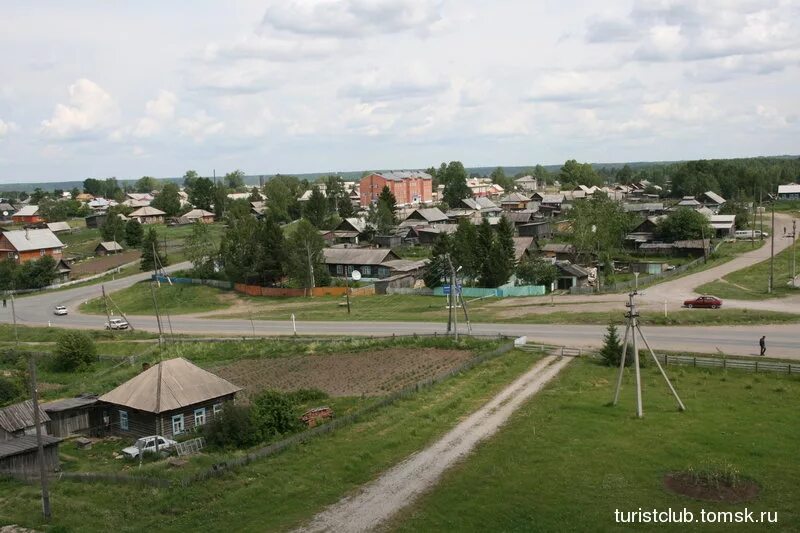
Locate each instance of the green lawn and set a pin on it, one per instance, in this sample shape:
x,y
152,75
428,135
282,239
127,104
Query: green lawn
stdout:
x,y
175,299
566,460
278,492
751,283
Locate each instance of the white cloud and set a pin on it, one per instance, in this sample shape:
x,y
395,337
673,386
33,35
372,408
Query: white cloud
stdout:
x,y
272,49
200,126
584,86
353,18
90,110
159,110
694,108
6,128
412,81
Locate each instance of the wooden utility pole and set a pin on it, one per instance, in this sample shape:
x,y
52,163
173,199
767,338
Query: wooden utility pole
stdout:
x,y
105,304
36,421
158,316
453,295
772,250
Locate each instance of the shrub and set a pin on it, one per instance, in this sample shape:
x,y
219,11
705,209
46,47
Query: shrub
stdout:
x,y
306,395
231,428
9,391
75,350
273,414
611,352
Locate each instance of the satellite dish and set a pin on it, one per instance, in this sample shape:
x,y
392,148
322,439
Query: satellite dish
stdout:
x,y
356,275
5,213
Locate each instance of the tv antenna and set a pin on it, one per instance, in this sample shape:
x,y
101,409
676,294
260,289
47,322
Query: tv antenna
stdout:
x,y
632,326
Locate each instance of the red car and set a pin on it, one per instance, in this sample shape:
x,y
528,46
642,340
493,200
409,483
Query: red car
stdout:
x,y
711,302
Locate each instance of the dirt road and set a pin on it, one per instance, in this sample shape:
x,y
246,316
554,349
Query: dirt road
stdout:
x,y
398,487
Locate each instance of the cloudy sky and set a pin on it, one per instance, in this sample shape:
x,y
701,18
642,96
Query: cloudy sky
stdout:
x,y
98,89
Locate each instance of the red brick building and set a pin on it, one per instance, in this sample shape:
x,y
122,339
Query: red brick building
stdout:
x,y
408,186
29,245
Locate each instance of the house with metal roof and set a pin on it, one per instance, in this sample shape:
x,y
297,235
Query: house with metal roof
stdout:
x,y
59,227
369,261
690,202
170,398
200,215
108,248
6,211
28,214
148,215
29,245
527,183
712,200
17,420
790,191
427,215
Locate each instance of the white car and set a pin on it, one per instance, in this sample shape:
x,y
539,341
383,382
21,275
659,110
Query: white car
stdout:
x,y
116,323
148,444
60,310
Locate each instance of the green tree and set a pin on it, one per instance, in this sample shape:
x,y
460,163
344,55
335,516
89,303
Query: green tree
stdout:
x,y
36,274
168,200
536,271
599,226
234,180
151,250
455,183
684,224
496,269
579,174
75,351
147,184
464,247
306,259
255,195
382,217
625,175
483,246
387,198
438,268
220,201
611,352
189,178
273,415
271,251
233,427
94,187
238,252
201,192
316,208
134,233
282,193
499,177
200,249
114,228
505,239
8,275
10,391
74,193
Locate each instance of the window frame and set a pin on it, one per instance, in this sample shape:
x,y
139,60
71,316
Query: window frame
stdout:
x,y
124,420
200,416
217,408
181,423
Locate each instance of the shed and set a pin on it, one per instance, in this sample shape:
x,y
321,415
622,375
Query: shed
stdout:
x,y
169,398
17,420
20,456
59,227
570,275
72,416
538,230
95,220
790,191
428,215
558,251
108,248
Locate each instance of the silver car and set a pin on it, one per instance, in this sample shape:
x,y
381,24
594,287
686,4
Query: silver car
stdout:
x,y
148,444
60,310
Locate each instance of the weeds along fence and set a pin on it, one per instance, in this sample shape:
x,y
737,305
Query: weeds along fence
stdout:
x,y
337,423
93,477
778,367
643,280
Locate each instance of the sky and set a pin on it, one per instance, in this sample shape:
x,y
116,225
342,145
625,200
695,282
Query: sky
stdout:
x,y
127,89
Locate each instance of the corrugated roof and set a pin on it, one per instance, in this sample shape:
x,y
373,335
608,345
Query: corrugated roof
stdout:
x,y
357,256
20,416
559,248
58,226
521,244
182,384
33,239
514,197
147,211
67,403
27,211
714,197
572,269
431,214
24,444
487,205
552,198
792,188
6,207
110,246
404,265
399,175
198,213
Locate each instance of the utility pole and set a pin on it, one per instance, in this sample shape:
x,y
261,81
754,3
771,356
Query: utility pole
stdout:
x,y
36,421
347,290
158,316
108,315
453,294
794,254
311,269
772,249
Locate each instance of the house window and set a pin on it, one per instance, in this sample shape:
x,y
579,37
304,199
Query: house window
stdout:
x,y
366,270
123,420
41,253
200,416
177,425
217,408
339,269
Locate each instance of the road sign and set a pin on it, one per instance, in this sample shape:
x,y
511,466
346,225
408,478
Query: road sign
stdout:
x,y
446,289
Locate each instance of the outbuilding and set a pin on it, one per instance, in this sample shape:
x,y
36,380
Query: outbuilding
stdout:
x,y
17,420
72,416
20,456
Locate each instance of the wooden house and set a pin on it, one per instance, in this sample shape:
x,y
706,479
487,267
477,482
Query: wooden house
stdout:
x,y
351,230
522,247
72,416
369,261
17,420
558,251
29,245
571,275
6,211
59,227
170,398
539,229
200,215
148,215
27,215
429,215
20,456
514,202
108,248
95,220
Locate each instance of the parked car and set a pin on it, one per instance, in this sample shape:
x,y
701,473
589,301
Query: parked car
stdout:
x,y
116,323
148,444
750,234
711,302
60,310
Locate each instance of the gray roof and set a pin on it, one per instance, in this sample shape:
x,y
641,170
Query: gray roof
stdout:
x,y
7,207
198,213
514,197
437,228
182,384
521,244
358,224
147,211
470,203
58,226
110,246
20,416
632,208
688,201
399,175
68,403
486,205
714,197
559,248
572,269
525,179
552,198
24,444
431,214
404,265
33,239
27,211
357,256
519,217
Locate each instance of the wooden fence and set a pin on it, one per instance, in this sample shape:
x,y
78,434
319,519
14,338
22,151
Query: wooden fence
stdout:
x,y
255,290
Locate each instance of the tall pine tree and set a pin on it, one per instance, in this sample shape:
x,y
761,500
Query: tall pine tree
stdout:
x,y
150,251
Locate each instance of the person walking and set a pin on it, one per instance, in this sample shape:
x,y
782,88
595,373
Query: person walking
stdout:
x,y
762,342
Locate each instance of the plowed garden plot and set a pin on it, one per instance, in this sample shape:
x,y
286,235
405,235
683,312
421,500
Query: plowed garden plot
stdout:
x,y
349,374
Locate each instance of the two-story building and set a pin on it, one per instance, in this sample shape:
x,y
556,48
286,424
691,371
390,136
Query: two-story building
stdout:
x,y
410,187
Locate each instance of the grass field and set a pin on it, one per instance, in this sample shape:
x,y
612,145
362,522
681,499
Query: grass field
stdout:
x,y
566,460
751,283
280,491
175,299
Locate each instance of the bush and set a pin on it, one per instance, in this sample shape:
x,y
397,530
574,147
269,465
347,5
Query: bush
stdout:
x,y
273,414
231,428
306,395
75,350
9,391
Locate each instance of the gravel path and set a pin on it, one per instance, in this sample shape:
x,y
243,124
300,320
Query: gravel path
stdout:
x,y
398,487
